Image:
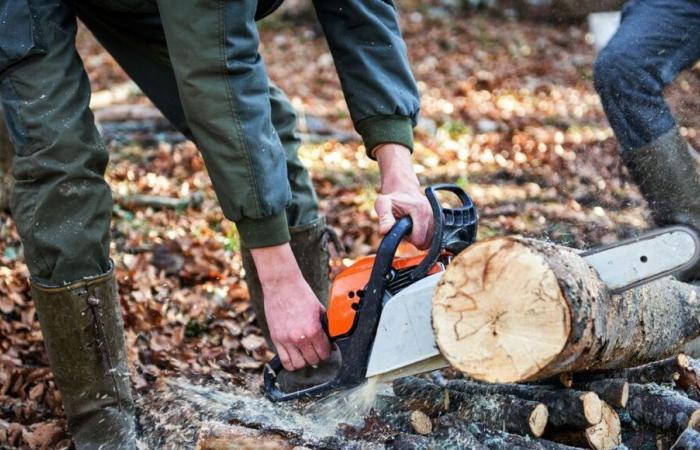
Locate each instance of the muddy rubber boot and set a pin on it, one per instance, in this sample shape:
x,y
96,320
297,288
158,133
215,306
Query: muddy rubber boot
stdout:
x,y
667,176
84,337
310,247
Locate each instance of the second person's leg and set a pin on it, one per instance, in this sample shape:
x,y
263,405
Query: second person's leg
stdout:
x,y
656,40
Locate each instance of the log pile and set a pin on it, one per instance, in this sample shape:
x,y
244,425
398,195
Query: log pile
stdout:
x,y
651,406
646,407
552,360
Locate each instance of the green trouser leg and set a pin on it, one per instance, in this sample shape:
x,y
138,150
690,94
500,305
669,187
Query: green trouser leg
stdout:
x,y
61,203
62,208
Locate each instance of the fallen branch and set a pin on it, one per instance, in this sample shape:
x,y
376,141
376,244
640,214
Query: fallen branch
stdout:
x,y
688,440
502,412
422,395
663,408
614,391
450,425
566,407
159,202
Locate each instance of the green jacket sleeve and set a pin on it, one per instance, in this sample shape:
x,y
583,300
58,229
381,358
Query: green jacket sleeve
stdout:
x,y
372,62
223,86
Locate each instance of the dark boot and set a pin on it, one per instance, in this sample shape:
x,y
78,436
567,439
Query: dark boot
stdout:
x,y
84,337
310,247
667,176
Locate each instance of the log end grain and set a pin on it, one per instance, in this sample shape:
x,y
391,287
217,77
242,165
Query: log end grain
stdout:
x,y
694,420
499,314
538,420
607,434
624,395
420,422
592,407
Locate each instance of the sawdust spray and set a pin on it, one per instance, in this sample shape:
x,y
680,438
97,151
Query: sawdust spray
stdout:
x,y
191,405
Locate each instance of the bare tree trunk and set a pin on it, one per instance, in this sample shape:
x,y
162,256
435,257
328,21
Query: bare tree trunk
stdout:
x,y
6,153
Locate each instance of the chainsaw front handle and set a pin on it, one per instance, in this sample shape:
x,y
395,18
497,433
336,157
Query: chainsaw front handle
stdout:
x,y
455,228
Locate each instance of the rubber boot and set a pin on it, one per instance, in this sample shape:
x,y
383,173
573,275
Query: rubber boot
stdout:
x,y
84,338
667,176
310,247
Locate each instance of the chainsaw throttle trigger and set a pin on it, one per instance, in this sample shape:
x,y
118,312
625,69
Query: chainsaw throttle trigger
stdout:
x,y
455,228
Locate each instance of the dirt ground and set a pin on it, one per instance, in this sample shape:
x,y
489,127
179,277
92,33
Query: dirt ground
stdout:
x,y
508,112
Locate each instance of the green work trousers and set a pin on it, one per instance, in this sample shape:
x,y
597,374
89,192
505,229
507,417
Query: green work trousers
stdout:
x,y
61,203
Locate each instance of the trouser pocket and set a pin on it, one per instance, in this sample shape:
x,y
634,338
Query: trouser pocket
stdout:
x,y
21,36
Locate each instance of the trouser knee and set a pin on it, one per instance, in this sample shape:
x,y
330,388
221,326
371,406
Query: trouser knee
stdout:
x,y
60,202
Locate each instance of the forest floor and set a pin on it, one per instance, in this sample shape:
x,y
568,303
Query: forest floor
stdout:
x,y
508,112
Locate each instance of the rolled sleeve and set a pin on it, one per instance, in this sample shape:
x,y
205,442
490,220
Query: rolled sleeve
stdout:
x,y
372,63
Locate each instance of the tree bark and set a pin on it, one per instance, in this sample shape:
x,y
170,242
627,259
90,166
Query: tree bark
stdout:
x,y
409,422
663,408
6,154
605,435
502,412
566,407
422,395
450,425
688,440
663,371
515,309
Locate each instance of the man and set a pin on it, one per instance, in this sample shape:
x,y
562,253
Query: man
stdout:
x,y
198,62
656,40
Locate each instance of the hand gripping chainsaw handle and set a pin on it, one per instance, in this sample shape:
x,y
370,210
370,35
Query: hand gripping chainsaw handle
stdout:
x,y
455,229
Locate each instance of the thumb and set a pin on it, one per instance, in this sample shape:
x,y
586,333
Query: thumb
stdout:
x,y
386,217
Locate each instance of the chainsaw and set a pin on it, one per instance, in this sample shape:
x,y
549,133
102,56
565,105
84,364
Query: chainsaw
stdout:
x,y
379,312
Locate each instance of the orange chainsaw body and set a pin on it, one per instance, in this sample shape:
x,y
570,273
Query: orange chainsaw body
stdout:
x,y
348,289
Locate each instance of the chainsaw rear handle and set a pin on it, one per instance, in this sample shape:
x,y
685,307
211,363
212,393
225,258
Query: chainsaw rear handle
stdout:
x,y
355,346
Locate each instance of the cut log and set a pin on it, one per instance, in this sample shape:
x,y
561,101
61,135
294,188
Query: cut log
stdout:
x,y
662,408
503,412
449,425
420,422
614,391
219,436
422,395
515,309
512,414
566,407
688,440
664,371
605,435
688,377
